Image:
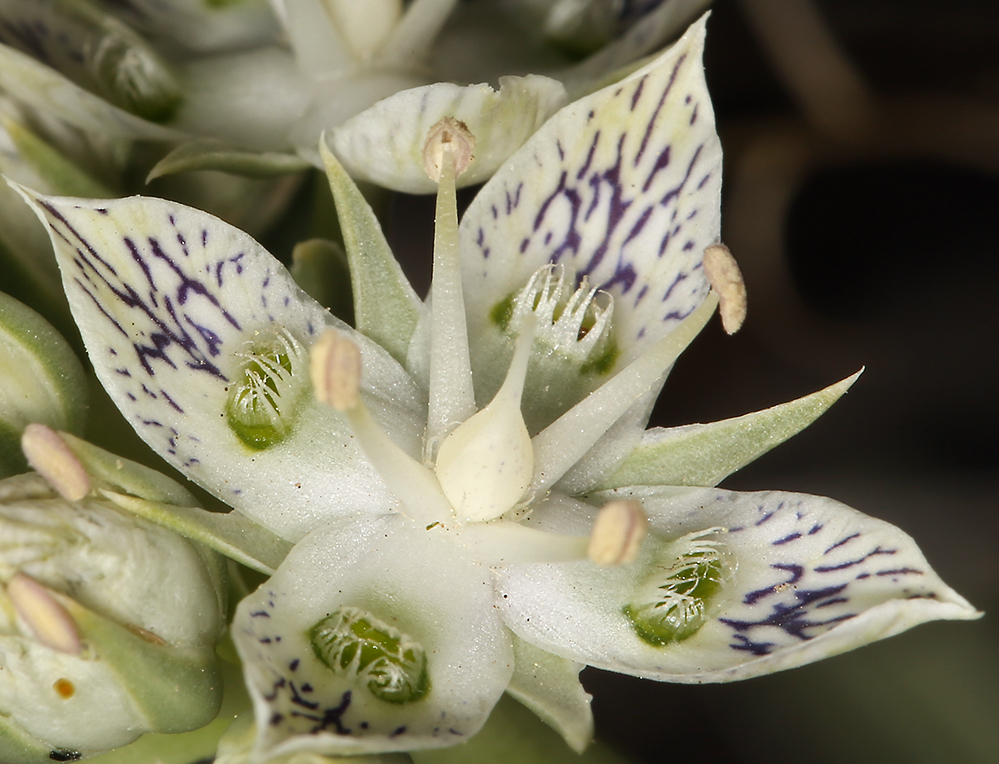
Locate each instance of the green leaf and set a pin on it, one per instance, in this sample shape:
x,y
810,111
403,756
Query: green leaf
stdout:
x,y
705,454
60,174
386,308
207,154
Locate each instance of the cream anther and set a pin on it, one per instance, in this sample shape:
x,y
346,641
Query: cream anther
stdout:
x,y
335,367
617,533
449,135
50,457
726,279
48,620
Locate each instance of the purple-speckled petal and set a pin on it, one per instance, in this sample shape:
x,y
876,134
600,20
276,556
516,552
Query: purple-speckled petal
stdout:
x,y
804,578
406,577
622,186
167,298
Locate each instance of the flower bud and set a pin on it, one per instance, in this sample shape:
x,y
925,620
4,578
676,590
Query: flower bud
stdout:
x,y
108,626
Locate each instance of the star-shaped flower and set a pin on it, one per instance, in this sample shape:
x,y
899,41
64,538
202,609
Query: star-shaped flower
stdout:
x,y
475,504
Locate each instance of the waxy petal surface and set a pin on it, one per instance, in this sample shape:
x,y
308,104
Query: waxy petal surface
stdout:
x,y
806,578
409,578
623,187
384,144
167,297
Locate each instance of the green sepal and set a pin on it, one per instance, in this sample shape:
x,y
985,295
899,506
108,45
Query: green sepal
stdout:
x,y
41,380
320,267
549,686
176,688
705,454
208,154
61,175
232,533
128,476
18,747
157,498
386,308
185,747
515,734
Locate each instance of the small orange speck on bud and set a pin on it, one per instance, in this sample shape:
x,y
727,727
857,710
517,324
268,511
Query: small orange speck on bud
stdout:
x,y
450,135
617,533
726,279
48,454
65,688
45,617
335,367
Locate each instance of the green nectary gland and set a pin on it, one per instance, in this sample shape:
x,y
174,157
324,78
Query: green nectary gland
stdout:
x,y
502,312
392,666
262,400
608,351
678,608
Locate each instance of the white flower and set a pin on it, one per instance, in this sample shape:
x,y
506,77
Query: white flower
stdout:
x,y
245,88
453,471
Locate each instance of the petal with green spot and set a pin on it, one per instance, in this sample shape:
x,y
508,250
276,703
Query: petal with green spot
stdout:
x,y
318,646
623,187
201,338
788,579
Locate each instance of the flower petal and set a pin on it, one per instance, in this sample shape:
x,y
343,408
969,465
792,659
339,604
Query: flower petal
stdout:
x,y
622,187
179,311
384,144
549,686
705,454
395,581
802,578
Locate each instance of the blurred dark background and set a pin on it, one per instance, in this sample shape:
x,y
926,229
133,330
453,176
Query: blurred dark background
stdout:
x,y
862,194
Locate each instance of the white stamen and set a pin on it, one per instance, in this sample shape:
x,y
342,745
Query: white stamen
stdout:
x,y
452,398
507,543
47,619
336,375
335,367
566,440
726,279
617,533
50,457
485,465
